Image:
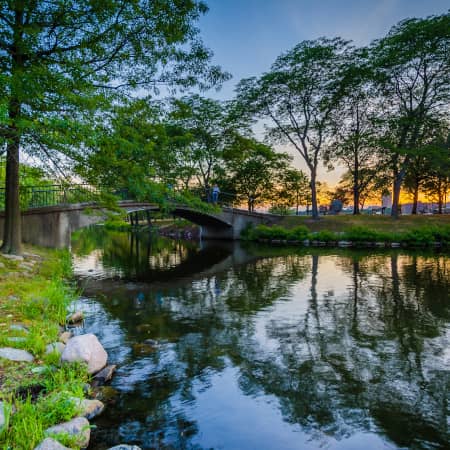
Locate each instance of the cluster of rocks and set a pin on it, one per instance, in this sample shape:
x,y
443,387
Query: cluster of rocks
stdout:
x,y
26,263
87,349
341,243
52,444
84,348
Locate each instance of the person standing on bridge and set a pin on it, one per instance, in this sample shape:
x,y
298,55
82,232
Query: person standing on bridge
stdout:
x,y
215,193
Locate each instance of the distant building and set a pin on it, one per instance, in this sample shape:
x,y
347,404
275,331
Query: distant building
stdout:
x,y
386,201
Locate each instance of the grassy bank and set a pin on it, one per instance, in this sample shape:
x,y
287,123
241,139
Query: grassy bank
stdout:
x,y
342,223
34,298
411,234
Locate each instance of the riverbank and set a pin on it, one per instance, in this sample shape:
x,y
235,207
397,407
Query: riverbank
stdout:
x,y
343,222
428,234
37,391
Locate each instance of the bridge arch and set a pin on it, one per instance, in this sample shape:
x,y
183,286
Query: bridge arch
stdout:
x,y
200,218
52,226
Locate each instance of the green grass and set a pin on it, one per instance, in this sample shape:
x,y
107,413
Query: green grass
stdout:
x,y
417,234
37,392
33,416
342,223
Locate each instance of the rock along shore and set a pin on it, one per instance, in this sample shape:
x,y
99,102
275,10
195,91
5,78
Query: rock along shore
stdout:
x,y
29,325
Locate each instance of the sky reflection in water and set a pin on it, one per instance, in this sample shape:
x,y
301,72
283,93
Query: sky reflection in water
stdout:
x,y
268,348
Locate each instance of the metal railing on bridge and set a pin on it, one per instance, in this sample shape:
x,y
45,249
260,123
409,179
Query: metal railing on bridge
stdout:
x,y
52,195
65,194
222,198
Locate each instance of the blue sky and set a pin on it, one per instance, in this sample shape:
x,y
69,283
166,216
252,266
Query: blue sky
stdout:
x,y
246,36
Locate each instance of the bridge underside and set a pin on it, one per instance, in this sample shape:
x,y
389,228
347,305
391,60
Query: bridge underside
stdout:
x,y
212,226
194,216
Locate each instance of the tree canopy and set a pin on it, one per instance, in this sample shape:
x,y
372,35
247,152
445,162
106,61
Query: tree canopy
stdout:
x,y
299,95
63,63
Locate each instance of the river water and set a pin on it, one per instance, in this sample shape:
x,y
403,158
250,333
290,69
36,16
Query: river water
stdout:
x,y
267,348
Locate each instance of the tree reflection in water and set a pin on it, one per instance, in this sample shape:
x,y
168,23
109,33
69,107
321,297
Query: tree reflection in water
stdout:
x,y
346,342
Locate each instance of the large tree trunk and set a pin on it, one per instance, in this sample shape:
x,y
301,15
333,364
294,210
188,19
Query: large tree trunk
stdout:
x,y
399,175
440,196
12,233
416,197
396,188
315,210
356,187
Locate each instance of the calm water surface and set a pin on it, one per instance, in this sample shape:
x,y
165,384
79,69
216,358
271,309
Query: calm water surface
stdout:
x,y
263,348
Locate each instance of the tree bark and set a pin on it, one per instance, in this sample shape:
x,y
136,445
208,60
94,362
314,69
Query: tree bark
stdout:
x,y
397,184
356,188
12,232
416,197
399,175
314,209
440,196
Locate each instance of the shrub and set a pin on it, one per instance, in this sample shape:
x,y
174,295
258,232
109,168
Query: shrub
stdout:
x,y
441,234
265,232
420,237
248,233
299,233
277,232
325,236
363,234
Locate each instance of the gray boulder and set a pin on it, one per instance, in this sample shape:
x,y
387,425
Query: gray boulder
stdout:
x,y
78,428
19,327
57,347
86,348
75,317
25,266
3,414
65,336
88,408
13,257
14,354
104,375
50,444
125,447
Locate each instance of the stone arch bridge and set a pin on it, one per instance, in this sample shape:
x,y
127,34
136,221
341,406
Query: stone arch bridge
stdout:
x,y
51,226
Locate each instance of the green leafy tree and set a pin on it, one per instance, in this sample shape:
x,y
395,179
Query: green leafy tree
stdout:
x,y
299,95
62,62
412,73
371,186
353,142
252,170
129,151
207,123
415,178
437,182
430,164
293,189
